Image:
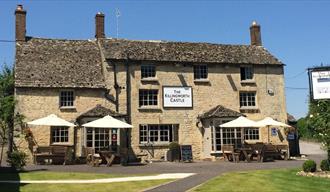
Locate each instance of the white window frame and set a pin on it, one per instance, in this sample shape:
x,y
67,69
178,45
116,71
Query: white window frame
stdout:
x,y
109,131
146,133
248,73
199,73
251,134
67,101
149,98
148,71
246,98
60,134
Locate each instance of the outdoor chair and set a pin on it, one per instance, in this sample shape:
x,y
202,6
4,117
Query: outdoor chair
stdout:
x,y
229,153
92,158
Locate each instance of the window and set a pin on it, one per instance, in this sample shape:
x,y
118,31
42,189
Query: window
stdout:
x,y
60,134
251,134
148,71
247,99
246,73
200,72
158,133
66,99
148,98
102,138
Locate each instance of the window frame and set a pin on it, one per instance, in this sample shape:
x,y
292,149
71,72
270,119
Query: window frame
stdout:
x,y
60,134
157,133
199,73
247,101
67,97
251,134
248,74
148,71
147,99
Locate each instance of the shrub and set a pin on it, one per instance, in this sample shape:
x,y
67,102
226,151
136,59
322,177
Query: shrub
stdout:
x,y
174,146
325,165
17,159
309,166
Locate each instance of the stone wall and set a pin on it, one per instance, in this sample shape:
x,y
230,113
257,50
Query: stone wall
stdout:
x,y
36,103
222,89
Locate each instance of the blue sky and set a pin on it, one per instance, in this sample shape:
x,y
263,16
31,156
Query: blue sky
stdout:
x,y
298,33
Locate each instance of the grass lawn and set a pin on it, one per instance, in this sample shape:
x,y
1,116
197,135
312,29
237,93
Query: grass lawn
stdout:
x,y
50,175
265,180
47,175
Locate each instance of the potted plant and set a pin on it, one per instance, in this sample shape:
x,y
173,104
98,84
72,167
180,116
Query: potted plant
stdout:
x,y
173,154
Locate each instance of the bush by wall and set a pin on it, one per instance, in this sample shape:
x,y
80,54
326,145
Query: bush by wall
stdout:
x,y
309,166
17,159
325,165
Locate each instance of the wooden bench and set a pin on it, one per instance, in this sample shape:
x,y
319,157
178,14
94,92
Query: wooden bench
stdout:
x,y
229,153
53,154
270,151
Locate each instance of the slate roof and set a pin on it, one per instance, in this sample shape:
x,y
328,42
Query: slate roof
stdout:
x,y
58,63
220,111
187,52
99,111
291,118
78,63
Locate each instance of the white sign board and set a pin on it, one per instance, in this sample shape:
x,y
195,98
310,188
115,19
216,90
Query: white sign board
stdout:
x,y
177,97
321,84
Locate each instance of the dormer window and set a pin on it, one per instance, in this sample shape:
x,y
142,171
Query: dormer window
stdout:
x,y
200,72
247,73
148,71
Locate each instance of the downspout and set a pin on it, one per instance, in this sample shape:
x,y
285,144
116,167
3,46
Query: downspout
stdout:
x,y
117,88
128,103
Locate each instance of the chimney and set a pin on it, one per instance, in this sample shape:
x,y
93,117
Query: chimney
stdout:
x,y
20,32
99,25
255,34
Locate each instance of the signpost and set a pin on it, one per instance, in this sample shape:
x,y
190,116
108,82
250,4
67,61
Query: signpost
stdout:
x,y
177,97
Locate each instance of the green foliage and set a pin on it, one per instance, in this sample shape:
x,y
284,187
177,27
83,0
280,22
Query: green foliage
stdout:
x,y
319,119
174,146
17,159
305,130
309,166
325,165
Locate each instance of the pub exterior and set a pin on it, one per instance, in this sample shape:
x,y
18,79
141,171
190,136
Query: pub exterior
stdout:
x,y
169,91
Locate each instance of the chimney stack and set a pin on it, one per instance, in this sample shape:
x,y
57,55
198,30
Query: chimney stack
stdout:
x,y
20,32
255,34
99,25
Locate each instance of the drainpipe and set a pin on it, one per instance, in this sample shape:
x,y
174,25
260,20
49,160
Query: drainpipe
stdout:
x,y
128,103
117,88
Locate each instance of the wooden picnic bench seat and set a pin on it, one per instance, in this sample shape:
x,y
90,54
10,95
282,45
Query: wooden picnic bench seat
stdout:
x,y
274,152
50,154
228,151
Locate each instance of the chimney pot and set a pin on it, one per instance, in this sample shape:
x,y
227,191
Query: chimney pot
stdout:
x,y
255,34
20,32
99,25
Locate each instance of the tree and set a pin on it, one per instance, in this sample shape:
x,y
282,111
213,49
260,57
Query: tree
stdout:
x,y
7,106
319,119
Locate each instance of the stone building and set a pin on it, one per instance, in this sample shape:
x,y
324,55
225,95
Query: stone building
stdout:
x,y
169,91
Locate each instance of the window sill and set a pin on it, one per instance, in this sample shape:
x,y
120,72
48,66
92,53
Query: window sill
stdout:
x,y
62,144
249,109
149,108
68,107
206,81
250,81
150,79
154,144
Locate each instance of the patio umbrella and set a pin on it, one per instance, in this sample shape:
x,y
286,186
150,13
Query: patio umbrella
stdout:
x,y
268,121
240,122
51,120
107,122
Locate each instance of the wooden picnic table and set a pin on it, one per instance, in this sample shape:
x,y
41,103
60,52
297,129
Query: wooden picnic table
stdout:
x,y
245,152
108,156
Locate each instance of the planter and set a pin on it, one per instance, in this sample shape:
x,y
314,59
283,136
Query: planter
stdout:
x,y
173,155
